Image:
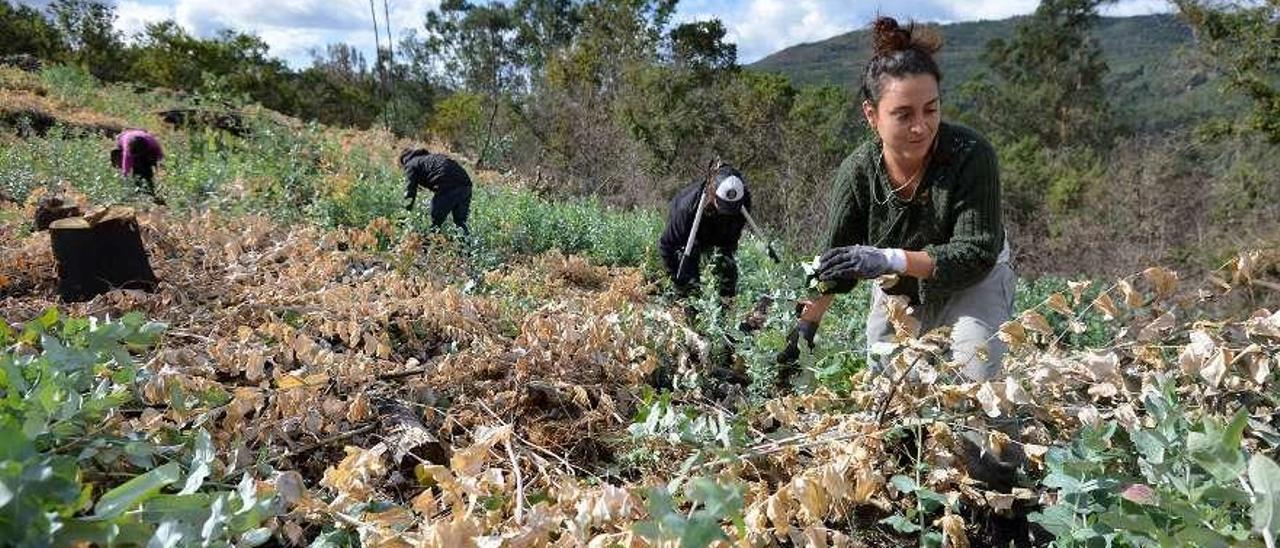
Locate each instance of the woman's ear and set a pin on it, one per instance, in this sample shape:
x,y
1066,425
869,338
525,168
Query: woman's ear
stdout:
x,y
869,112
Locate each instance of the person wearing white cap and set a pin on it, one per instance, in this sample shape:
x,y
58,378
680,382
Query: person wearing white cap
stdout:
x,y
706,216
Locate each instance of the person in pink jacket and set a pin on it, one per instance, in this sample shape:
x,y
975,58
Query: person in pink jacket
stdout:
x,y
136,155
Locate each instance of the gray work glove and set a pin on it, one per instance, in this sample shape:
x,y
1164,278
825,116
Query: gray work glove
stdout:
x,y
853,262
804,329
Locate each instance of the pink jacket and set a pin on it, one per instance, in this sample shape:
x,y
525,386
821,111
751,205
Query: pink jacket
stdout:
x,y
126,158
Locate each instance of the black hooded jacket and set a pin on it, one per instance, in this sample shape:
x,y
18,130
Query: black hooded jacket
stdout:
x,y
436,172
717,230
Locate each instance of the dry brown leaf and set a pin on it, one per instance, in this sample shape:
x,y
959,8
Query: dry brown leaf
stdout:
x,y
1035,322
868,482
1244,265
1193,357
1163,280
953,535
1156,329
1014,393
1089,416
782,412
425,504
1000,502
815,536
1035,452
354,477
1059,304
1103,390
1078,289
359,409
899,312
778,509
812,496
1127,416
1216,370
1132,298
1264,325
294,533
1013,334
1107,306
1258,367
1102,366
989,400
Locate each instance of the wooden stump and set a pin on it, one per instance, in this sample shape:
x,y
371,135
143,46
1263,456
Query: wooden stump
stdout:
x,y
100,252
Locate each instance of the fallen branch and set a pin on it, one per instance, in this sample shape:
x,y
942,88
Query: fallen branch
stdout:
x,y
893,390
325,442
515,468
1264,283
404,374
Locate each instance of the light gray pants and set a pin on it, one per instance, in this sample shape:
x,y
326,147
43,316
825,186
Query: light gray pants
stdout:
x,y
974,314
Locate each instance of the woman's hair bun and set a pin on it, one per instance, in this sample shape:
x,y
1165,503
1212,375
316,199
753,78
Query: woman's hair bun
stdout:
x,y
889,37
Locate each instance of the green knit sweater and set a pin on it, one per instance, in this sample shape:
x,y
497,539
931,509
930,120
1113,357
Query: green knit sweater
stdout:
x,y
955,215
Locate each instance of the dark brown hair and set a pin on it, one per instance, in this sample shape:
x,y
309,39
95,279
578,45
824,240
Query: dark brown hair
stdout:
x,y
899,52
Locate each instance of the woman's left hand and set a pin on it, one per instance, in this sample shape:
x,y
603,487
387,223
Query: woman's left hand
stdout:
x,y
853,262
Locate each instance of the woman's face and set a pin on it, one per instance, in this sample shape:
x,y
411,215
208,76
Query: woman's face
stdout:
x,y
908,115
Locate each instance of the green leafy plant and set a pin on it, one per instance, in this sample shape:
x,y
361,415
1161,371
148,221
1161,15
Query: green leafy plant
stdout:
x,y
1176,482
60,464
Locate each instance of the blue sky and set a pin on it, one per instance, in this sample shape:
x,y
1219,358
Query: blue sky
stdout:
x,y
759,27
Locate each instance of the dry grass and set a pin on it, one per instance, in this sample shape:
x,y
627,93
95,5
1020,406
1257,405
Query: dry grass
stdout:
x,y
26,111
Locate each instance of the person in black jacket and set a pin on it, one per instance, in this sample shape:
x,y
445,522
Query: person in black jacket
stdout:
x,y
722,200
445,178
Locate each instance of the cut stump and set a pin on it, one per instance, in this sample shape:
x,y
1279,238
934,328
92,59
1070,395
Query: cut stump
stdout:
x,y
100,252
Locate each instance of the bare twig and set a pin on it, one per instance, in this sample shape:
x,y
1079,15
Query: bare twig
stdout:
x,y
404,374
1264,283
515,468
893,390
324,442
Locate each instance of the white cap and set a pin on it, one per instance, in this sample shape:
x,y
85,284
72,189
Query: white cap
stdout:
x,y
730,189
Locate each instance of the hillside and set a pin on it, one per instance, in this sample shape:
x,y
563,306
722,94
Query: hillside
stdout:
x,y
1156,82
316,368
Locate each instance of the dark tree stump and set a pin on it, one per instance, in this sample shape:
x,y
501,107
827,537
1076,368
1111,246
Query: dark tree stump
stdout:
x,y
100,252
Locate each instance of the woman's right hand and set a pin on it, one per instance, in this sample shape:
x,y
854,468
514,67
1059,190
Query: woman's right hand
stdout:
x,y
853,262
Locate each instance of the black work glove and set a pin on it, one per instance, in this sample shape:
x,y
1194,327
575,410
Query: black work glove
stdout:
x,y
409,205
804,329
853,262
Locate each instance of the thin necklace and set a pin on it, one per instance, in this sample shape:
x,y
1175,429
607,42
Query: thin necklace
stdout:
x,y
924,166
893,190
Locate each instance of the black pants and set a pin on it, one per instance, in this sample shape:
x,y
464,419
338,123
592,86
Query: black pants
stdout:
x,y
723,266
144,174
455,201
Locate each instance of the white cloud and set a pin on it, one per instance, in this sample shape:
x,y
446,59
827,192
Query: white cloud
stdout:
x,y
761,27
292,28
987,9
1137,7
133,16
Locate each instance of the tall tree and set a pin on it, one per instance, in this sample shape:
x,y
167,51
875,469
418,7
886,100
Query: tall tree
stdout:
x,y
25,30
1245,42
88,27
701,46
1046,82
476,46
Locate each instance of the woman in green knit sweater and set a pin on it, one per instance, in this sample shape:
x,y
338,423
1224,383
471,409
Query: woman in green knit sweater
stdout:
x,y
921,201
